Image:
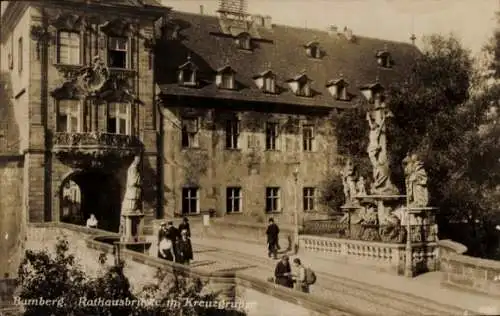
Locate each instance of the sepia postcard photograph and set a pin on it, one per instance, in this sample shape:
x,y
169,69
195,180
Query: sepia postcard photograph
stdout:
x,y
249,157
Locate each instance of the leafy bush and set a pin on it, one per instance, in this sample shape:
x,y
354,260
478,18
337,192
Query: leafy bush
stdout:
x,y
58,278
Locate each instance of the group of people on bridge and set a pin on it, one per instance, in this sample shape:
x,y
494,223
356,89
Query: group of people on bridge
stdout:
x,y
174,244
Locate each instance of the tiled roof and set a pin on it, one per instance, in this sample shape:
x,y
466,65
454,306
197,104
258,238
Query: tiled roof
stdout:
x,y
281,50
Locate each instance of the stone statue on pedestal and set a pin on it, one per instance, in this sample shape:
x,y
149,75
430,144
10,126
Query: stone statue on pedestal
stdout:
x,y
377,150
349,181
132,203
361,187
416,181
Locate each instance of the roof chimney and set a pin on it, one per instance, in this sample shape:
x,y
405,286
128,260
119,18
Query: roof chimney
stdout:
x,y
268,22
201,9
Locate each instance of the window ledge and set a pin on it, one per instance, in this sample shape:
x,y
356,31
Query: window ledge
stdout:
x,y
191,148
233,149
234,213
275,212
272,150
188,84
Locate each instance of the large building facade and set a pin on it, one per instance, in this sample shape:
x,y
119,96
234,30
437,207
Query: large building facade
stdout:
x,y
82,88
232,114
248,110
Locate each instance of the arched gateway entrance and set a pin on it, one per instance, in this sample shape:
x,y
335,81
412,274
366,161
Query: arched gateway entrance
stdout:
x,y
92,191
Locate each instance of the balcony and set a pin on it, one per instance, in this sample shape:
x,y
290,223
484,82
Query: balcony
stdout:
x,y
94,148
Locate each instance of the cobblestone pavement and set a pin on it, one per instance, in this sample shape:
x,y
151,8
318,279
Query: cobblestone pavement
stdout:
x,y
354,285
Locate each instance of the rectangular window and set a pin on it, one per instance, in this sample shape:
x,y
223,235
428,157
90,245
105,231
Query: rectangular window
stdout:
x,y
20,54
232,134
308,198
118,52
68,48
68,116
269,85
308,137
190,201
189,133
227,81
271,136
233,200
303,90
272,199
119,118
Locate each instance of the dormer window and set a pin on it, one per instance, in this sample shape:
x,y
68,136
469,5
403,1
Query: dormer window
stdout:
x,y
373,92
187,73
313,50
300,85
338,89
384,59
266,81
225,78
244,41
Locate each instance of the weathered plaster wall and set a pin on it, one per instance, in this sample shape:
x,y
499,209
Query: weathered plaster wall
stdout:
x,y
213,168
12,215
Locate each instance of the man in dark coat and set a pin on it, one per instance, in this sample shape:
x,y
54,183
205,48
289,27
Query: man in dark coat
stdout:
x,y
283,273
173,235
185,226
272,238
184,248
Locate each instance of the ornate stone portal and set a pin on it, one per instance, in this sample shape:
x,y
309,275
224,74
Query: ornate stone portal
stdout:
x,y
94,84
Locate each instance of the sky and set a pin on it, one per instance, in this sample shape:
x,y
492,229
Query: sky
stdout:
x,y
472,21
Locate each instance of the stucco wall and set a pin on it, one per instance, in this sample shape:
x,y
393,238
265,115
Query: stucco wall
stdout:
x,y
12,215
213,168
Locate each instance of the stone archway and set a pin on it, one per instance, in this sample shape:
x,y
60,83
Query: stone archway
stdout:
x,y
92,191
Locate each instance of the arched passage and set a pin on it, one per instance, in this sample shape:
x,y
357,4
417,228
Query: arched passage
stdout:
x,y
91,192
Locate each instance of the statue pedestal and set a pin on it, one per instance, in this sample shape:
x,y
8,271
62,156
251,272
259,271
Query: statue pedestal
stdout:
x,y
132,233
381,202
421,230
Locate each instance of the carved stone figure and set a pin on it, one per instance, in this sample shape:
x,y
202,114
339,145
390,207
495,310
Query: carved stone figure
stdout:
x,y
416,181
361,187
377,151
132,199
349,181
92,78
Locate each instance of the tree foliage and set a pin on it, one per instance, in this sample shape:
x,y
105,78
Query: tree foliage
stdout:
x,y
58,278
438,115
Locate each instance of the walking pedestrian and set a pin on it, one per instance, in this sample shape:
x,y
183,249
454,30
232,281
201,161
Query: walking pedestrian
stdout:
x,y
185,249
185,226
165,246
172,234
272,233
283,273
299,276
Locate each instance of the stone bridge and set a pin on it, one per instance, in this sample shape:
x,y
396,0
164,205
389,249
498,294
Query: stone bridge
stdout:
x,y
242,269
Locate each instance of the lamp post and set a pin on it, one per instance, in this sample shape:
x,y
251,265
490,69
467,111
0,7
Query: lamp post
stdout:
x,y
296,211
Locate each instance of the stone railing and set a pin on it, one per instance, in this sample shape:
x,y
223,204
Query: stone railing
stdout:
x,y
386,256
465,272
94,148
76,140
389,234
141,267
